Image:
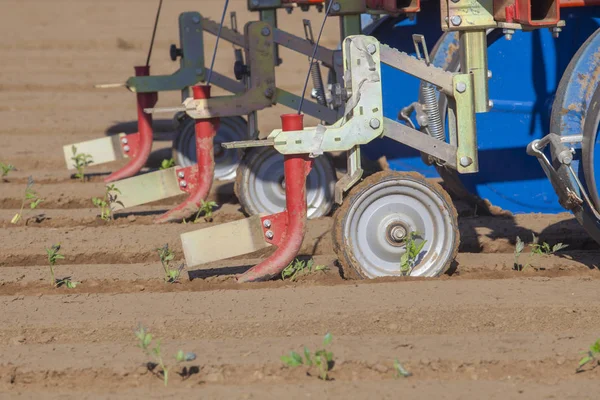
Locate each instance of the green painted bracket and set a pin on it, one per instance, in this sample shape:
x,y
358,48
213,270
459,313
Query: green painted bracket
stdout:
x,y
362,121
191,70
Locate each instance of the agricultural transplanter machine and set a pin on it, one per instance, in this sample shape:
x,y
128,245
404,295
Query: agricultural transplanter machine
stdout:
x,y
380,215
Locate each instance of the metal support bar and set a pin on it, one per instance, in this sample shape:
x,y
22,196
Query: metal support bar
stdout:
x,y
421,142
418,68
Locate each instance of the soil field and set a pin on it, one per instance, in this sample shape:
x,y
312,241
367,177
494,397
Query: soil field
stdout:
x,y
482,331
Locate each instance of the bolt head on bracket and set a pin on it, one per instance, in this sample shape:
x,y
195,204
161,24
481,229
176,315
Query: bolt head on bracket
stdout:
x,y
456,20
461,87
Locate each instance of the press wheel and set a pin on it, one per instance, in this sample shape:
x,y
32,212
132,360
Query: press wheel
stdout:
x,y
226,160
260,185
371,227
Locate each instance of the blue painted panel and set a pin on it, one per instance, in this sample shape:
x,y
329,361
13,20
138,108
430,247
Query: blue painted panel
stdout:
x,y
526,73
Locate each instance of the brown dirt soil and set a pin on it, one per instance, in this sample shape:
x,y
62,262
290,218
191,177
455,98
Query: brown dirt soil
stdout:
x,y
482,330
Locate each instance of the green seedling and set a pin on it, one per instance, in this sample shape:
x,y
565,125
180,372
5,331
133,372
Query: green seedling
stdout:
x,y
206,208
31,198
298,268
105,203
400,371
321,359
409,259
544,249
591,357
81,161
537,249
6,168
519,247
145,342
166,255
166,164
53,257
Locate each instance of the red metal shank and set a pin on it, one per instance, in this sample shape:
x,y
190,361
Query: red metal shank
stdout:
x,y
137,146
394,7
287,228
197,179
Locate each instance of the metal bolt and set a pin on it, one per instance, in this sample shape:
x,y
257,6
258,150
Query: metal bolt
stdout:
x,y
269,234
265,31
371,48
461,87
374,123
126,148
508,33
181,175
466,161
335,7
490,103
124,140
255,3
267,223
556,31
489,74
269,92
565,157
183,183
196,19
199,71
398,233
456,20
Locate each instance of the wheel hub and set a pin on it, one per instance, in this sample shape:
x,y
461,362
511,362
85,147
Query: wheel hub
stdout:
x,y
396,233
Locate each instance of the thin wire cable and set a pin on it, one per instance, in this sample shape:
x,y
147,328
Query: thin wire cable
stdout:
x,y
212,63
312,57
154,32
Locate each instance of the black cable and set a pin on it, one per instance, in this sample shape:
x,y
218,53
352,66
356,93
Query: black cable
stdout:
x,y
212,63
154,32
312,58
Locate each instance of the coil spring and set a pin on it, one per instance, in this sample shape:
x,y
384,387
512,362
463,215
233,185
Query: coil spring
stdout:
x,y
435,126
317,80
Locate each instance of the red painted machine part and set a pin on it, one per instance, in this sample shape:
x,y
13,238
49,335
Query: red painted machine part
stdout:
x,y
578,3
288,227
391,6
197,179
137,146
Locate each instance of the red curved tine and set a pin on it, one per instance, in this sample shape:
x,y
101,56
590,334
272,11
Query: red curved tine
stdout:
x,y
286,229
137,146
197,179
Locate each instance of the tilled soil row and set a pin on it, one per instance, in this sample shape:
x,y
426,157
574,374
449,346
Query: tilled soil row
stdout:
x,y
558,306
127,242
239,336
134,278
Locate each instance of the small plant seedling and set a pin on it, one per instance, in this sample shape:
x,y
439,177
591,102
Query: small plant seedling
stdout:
x,y
537,249
591,357
166,255
31,198
145,343
519,246
409,259
322,359
53,257
6,168
400,371
81,161
544,249
105,203
166,164
206,208
297,268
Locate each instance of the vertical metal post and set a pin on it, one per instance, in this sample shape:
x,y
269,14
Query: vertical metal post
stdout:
x,y
473,59
270,16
